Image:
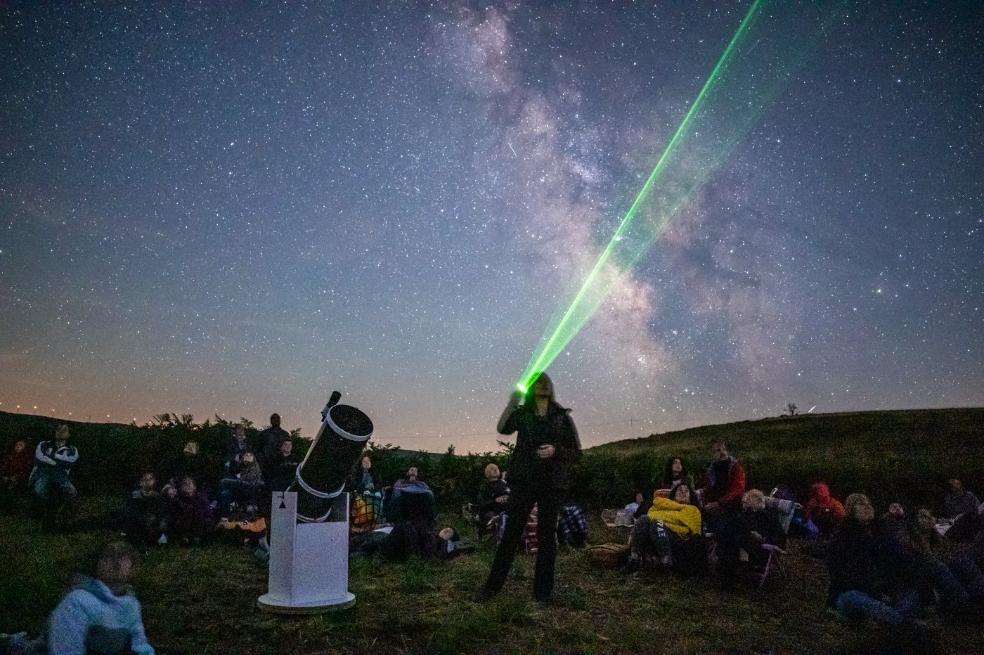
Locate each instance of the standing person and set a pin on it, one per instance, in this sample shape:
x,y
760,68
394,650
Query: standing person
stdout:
x,y
235,448
725,479
284,467
539,473
270,440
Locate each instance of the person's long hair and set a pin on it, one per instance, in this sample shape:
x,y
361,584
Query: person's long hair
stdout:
x,y
668,471
552,404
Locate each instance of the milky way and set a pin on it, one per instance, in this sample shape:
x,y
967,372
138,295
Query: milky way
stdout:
x,y
233,210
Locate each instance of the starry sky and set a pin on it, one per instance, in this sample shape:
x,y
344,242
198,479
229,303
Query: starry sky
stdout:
x,y
234,208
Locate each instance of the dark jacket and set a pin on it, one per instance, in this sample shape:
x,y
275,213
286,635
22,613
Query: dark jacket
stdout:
x,y
487,495
852,562
526,469
270,441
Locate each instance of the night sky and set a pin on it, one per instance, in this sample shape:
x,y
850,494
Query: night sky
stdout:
x,y
219,208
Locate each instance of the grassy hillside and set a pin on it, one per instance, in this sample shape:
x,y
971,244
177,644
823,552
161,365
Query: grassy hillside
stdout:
x,y
905,454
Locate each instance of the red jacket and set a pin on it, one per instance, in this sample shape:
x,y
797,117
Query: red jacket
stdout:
x,y
17,465
726,492
821,502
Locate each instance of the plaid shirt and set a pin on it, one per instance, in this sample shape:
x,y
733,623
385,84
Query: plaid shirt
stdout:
x,y
573,525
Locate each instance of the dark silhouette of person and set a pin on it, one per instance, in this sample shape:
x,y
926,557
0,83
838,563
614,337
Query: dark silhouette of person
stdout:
x,y
539,471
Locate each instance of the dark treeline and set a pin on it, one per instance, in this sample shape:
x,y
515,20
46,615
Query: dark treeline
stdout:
x,y
892,455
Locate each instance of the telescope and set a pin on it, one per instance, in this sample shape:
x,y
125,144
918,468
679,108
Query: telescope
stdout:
x,y
309,523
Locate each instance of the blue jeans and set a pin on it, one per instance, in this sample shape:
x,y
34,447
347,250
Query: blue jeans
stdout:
x,y
859,605
44,484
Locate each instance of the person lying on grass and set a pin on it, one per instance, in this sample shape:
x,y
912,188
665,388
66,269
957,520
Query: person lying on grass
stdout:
x,y
947,569
101,614
865,581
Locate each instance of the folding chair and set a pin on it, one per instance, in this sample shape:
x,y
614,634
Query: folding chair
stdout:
x,y
773,562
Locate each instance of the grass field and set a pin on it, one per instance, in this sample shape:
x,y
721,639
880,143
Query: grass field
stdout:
x,y
202,600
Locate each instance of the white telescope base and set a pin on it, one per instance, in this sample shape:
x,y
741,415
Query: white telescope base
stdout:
x,y
308,561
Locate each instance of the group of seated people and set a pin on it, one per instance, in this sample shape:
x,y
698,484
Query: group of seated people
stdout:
x,y
44,473
888,568
192,504
191,499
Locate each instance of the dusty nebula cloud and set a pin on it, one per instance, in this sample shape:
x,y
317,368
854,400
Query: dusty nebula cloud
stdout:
x,y
209,209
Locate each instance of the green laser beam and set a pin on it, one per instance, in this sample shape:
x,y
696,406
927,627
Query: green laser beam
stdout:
x,y
707,138
560,338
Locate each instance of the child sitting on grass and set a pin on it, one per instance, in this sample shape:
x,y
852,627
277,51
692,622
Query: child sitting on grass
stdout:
x,y
143,514
101,614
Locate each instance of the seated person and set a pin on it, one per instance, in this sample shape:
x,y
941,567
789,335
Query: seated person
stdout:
x,y
675,473
671,532
864,583
413,517
189,463
725,486
893,525
950,572
143,514
189,518
412,485
243,487
824,510
963,508
412,482
364,479
492,496
53,462
284,467
959,500
101,614
638,506
755,526
14,472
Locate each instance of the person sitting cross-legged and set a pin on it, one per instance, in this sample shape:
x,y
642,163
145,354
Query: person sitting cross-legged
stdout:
x,y
189,518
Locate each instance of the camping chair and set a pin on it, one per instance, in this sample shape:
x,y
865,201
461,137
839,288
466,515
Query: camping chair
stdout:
x,y
784,508
773,562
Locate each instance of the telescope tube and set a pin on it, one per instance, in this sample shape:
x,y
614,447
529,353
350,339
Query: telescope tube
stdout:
x,y
321,477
